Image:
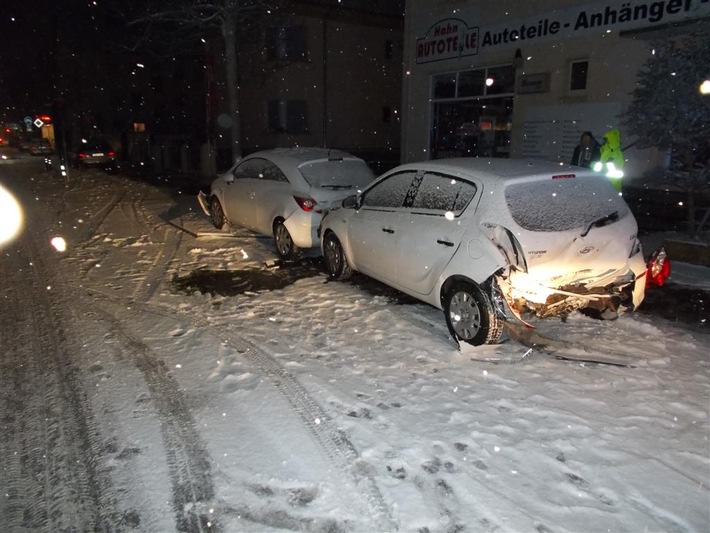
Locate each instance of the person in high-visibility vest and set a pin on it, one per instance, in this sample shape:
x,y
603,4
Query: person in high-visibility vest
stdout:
x,y
611,160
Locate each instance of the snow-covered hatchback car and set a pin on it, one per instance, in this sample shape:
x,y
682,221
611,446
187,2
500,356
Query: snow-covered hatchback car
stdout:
x,y
283,192
487,240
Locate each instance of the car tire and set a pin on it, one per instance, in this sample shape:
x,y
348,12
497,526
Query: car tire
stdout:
x,y
284,243
336,264
217,213
470,315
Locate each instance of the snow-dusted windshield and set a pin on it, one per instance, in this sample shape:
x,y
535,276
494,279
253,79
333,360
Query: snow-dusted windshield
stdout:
x,y
563,204
337,174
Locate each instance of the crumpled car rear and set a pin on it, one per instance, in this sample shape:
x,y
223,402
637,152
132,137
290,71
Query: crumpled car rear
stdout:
x,y
581,252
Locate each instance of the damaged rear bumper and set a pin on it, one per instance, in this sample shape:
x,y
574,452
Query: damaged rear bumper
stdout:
x,y
204,202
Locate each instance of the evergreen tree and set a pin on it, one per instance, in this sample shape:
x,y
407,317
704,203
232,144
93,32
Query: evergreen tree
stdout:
x,y
669,112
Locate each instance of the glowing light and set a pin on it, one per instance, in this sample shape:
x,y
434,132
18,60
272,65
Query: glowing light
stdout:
x,y
59,244
612,171
525,286
705,87
449,215
489,82
10,216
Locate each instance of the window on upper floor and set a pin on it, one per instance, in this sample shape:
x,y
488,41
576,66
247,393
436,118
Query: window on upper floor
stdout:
x,y
578,75
287,43
288,116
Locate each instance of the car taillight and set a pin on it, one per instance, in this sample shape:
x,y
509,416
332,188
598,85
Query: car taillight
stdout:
x,y
658,269
306,203
563,176
111,154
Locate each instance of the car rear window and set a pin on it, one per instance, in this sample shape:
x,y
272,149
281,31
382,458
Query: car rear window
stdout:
x,y
337,174
563,204
95,146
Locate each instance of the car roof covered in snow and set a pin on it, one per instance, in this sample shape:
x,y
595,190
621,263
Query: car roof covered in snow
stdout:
x,y
289,159
494,170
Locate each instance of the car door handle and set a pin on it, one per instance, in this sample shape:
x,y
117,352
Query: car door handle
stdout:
x,y
388,230
445,243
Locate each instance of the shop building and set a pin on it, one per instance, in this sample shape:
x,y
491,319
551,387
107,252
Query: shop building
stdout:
x,y
507,78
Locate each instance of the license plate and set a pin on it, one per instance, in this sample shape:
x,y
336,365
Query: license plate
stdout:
x,y
97,154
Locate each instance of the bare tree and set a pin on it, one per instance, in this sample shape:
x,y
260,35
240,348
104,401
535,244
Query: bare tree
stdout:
x,y
174,23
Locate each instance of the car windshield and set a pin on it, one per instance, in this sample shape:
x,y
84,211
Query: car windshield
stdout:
x,y
563,204
337,174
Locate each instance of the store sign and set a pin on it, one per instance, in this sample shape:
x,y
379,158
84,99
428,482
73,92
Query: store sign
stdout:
x,y
453,38
447,39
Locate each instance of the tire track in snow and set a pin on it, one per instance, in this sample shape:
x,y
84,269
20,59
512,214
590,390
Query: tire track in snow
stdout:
x,y
188,461
55,480
170,240
333,441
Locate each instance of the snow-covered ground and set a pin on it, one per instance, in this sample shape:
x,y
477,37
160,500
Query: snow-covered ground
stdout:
x,y
325,406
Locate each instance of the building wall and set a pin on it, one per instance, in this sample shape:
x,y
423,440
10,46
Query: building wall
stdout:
x,y
346,78
612,36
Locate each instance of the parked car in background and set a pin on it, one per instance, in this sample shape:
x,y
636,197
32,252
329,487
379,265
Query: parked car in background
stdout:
x,y
24,144
40,146
488,240
283,193
96,153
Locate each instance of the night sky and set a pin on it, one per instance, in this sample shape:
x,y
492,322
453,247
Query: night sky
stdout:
x,y
34,34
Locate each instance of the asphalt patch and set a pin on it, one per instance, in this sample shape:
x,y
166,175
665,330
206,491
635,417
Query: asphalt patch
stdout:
x,y
236,282
685,306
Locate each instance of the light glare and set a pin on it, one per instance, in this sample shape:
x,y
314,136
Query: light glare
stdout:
x,y
10,216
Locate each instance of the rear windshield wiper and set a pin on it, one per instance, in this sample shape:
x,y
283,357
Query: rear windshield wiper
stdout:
x,y
602,221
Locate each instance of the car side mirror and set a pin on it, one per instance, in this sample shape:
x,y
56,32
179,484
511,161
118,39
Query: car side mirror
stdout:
x,y
352,202
229,178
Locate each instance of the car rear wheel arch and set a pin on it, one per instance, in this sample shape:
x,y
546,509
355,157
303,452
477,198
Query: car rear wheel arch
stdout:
x,y
335,258
285,246
217,212
470,311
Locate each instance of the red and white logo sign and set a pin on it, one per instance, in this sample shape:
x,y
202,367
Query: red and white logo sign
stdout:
x,y
447,39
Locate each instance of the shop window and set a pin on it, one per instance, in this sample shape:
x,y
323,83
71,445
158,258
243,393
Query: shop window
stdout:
x,y
472,113
578,75
500,80
472,83
445,86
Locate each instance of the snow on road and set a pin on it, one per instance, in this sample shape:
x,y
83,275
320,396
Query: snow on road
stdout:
x,y
323,406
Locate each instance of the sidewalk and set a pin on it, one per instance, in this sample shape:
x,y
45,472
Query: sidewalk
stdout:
x,y
680,246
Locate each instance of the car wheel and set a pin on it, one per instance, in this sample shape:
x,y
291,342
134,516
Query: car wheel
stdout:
x,y
216,213
470,315
284,243
336,264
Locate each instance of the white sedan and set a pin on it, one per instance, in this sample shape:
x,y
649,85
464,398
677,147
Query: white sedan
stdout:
x,y
283,192
490,239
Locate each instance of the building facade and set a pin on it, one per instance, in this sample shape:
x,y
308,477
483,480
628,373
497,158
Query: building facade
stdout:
x,y
525,79
330,76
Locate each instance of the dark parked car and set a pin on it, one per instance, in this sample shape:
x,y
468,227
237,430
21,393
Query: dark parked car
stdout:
x,y
95,153
40,147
